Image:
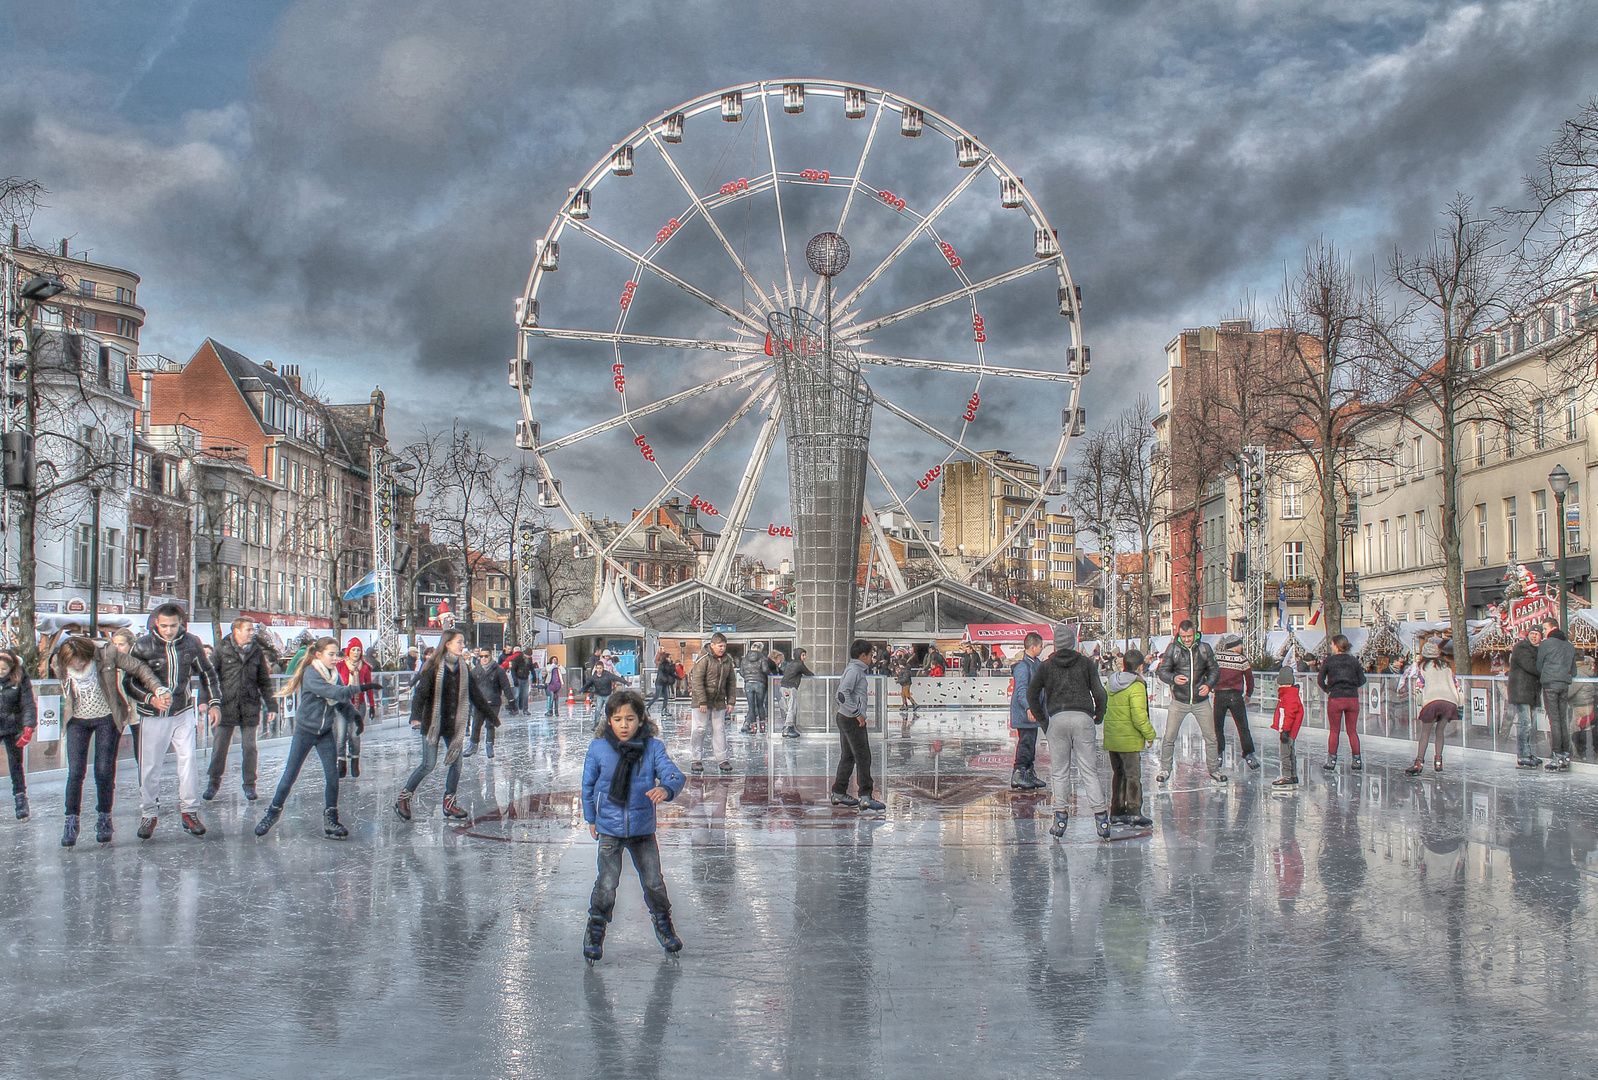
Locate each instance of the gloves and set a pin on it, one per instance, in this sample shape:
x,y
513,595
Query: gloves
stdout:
x,y
25,738
370,687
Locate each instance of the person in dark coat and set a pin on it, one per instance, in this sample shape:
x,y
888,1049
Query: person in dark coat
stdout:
x,y
349,721
494,683
1023,778
792,673
441,703
665,678
756,670
521,673
246,686
1525,695
1556,670
18,719
1068,700
1190,670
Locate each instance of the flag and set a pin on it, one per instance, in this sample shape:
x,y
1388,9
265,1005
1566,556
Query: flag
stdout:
x,y
1316,617
364,587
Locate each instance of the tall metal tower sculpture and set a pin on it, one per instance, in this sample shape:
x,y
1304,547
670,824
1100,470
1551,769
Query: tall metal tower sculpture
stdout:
x,y
827,407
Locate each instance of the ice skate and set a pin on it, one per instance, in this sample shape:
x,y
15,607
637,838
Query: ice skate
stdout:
x,y
103,830
1057,830
22,807
69,834
665,934
331,827
1126,827
594,940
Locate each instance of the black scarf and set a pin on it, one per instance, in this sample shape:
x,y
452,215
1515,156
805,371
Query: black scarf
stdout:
x,y
628,755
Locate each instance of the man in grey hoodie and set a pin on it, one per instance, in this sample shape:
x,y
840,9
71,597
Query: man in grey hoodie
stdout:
x,y
1556,669
855,757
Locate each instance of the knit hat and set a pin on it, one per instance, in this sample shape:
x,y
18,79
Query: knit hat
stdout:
x,y
1286,676
354,643
1431,650
1065,636
1231,641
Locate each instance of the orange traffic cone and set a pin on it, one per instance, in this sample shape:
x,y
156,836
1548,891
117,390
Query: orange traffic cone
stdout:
x,y
571,698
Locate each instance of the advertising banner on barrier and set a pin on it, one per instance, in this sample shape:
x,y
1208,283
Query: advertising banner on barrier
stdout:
x,y
1007,633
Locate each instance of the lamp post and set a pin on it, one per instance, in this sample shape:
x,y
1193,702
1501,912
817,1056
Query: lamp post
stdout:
x,y
141,570
1559,480
34,292
94,561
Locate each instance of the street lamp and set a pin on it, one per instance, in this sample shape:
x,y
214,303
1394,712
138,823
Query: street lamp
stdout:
x,y
94,563
1559,480
42,288
141,570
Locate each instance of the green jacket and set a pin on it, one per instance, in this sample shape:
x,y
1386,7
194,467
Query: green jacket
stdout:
x,y
1126,717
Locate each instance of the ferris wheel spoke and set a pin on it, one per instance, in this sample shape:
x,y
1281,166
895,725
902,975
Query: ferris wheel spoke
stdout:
x,y
932,549
729,379
860,169
699,205
652,340
692,290
721,563
922,226
776,188
879,544
952,443
965,368
671,484
947,298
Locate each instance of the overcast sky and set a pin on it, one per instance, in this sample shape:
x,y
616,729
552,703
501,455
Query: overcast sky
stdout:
x,y
357,186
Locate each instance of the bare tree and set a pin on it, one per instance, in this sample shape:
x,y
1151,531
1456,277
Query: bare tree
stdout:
x,y
1143,479
1314,399
459,489
1443,297
1095,495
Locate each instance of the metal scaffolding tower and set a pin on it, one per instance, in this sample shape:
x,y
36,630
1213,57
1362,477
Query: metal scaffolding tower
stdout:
x,y
1251,478
385,505
526,558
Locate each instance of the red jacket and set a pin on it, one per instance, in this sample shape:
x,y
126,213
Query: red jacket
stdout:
x,y
364,675
1289,711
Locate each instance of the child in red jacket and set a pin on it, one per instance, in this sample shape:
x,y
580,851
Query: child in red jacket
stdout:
x,y
1289,717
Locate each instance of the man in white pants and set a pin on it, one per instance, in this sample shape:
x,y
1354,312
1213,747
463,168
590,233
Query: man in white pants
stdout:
x,y
1066,689
168,718
711,682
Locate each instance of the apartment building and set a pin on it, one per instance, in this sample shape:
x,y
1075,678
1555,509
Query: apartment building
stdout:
x,y
981,502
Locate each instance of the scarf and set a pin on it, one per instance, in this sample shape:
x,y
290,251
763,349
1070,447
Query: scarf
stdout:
x,y
628,755
463,701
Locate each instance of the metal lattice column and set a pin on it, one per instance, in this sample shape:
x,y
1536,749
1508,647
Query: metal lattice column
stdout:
x,y
386,600
827,408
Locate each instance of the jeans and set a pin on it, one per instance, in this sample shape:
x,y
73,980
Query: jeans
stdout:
x,y
106,737
520,705
1233,702
755,698
347,734
1341,713
326,748
662,694
482,720
452,776
716,720
646,860
1126,782
224,735
854,758
1071,737
552,698
1202,711
1525,731
1556,705
599,708
14,763
1026,747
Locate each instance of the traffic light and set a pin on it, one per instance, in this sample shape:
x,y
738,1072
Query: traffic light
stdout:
x,y
1239,567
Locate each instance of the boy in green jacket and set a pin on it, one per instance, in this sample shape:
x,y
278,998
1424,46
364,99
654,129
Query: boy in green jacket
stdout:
x,y
1127,733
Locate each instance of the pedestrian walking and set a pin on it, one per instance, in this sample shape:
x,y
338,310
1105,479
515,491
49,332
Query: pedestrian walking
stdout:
x,y
1439,704
1556,670
626,774
665,676
855,747
1069,701
174,656
245,684
1232,691
756,670
19,718
1023,776
711,684
553,684
1340,677
793,672
321,694
521,673
1288,719
349,719
441,704
601,682
92,708
903,672
1525,696
1127,733
1189,669
494,683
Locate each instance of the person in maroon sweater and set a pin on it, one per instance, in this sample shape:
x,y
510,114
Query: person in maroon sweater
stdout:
x,y
1231,696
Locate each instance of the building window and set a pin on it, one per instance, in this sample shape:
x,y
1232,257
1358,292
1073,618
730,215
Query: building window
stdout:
x,y
1295,622
1403,542
1573,518
1292,499
1293,560
1509,441
1539,425
1570,416
82,541
1511,535
1386,545
1481,444
1370,552
1419,451
85,287
1539,506
1481,533
111,559
1422,551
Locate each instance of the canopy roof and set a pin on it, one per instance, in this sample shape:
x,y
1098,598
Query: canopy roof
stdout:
x,y
610,618
694,609
939,609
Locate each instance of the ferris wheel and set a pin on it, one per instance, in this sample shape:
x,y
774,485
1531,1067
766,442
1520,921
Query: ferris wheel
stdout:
x,y
645,362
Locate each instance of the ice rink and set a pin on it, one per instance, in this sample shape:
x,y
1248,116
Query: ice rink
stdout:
x,y
1368,925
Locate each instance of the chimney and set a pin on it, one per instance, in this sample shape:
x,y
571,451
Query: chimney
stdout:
x,y
15,236
268,365
63,249
144,413
291,375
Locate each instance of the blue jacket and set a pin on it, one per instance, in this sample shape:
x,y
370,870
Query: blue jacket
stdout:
x,y
637,818
319,701
1022,673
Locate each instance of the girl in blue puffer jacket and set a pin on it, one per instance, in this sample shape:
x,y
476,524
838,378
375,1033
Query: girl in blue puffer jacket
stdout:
x,y
626,774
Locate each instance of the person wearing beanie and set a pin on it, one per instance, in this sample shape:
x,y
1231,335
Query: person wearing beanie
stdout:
x,y
349,721
1232,691
1288,719
1069,701
1439,704
1190,670
1340,677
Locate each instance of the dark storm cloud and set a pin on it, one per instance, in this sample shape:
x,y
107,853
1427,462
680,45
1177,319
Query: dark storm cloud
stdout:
x,y
368,204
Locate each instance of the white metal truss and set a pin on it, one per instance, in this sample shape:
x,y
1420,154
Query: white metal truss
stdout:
x,y
1255,622
555,436
384,516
